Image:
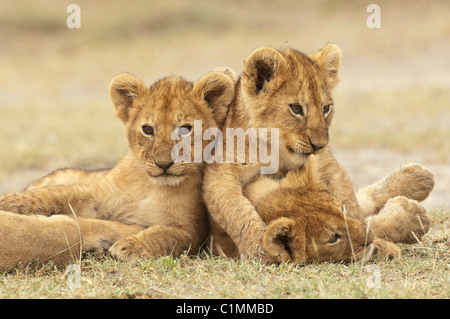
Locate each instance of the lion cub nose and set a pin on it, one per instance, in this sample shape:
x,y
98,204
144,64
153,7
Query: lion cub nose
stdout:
x,y
317,147
164,164
317,143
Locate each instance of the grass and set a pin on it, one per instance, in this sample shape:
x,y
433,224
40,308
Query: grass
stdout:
x,y
423,272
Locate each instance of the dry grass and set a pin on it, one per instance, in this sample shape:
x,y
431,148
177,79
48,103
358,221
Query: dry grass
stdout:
x,y
55,111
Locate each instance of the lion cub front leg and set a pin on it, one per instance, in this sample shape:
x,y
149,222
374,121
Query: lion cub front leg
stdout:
x,y
156,241
99,235
229,208
48,200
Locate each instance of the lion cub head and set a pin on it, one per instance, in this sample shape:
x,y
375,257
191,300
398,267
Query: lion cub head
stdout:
x,y
305,224
290,90
156,118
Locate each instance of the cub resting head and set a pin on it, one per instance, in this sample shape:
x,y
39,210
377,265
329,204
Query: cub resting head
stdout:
x,y
305,224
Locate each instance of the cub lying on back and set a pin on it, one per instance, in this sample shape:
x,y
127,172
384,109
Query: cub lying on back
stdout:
x,y
306,224
159,200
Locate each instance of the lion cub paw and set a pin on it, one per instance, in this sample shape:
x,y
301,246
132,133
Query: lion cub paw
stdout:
x,y
20,203
385,249
97,244
402,220
127,249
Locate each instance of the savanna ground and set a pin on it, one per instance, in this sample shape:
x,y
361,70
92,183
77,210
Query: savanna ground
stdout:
x,y
392,109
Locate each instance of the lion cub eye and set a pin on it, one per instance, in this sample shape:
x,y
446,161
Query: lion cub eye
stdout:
x,y
334,239
184,130
148,130
326,108
296,108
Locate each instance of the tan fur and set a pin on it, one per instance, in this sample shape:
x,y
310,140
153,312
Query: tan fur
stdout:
x,y
412,181
401,220
68,176
391,206
272,81
145,188
36,238
305,224
273,84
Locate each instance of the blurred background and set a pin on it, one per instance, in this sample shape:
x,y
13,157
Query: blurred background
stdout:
x,y
392,104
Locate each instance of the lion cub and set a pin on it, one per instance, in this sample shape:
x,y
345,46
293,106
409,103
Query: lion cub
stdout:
x,y
148,194
291,92
306,224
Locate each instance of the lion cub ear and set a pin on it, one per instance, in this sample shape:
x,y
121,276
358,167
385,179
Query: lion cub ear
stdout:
x,y
259,69
217,89
305,178
123,90
283,242
227,71
329,59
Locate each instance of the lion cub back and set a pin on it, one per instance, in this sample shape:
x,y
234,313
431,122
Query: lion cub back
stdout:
x,y
64,176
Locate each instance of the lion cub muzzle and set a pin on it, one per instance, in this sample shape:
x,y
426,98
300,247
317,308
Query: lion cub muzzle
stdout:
x,y
164,165
162,157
